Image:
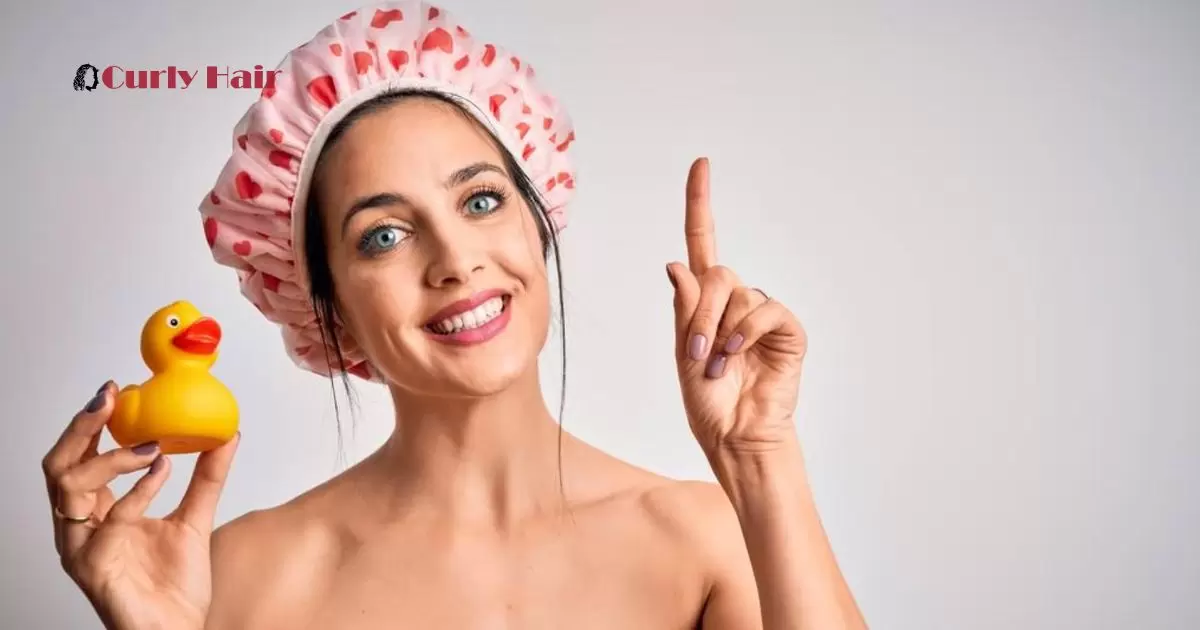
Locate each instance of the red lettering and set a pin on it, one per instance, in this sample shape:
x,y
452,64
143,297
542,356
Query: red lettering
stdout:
x,y
240,79
213,74
107,77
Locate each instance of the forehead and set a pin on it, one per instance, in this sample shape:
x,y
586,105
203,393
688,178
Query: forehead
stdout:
x,y
417,142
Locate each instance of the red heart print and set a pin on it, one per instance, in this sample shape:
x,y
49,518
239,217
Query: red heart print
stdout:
x,y
553,137
280,159
212,196
570,184
362,62
546,123
210,230
462,31
527,152
270,283
349,15
433,12
523,128
550,184
525,109
247,188
489,55
516,63
438,38
336,49
242,141
383,18
462,63
323,91
495,102
562,177
242,248
276,136
397,58
563,146
372,45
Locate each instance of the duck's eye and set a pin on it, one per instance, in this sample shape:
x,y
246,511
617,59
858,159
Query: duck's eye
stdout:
x,y
173,321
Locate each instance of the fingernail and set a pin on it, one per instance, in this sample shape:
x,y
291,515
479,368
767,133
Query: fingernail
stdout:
x,y
716,366
696,348
103,388
734,343
96,402
157,464
145,449
671,277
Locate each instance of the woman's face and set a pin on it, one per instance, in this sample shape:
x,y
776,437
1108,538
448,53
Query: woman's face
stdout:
x,y
421,215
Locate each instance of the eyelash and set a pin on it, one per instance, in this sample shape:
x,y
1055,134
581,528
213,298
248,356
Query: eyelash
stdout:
x,y
501,196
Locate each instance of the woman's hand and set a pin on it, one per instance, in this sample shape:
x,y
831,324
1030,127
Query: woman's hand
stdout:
x,y
739,353
137,572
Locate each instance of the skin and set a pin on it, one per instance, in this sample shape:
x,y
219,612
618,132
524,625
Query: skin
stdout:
x,y
458,520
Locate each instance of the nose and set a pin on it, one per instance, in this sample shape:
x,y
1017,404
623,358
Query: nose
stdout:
x,y
455,254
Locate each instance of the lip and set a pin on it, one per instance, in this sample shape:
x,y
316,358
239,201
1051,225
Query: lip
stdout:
x,y
201,337
464,305
476,335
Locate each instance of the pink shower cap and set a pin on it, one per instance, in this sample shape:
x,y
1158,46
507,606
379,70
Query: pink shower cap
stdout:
x,y
253,217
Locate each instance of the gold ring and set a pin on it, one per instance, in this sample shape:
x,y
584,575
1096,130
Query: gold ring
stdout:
x,y
71,519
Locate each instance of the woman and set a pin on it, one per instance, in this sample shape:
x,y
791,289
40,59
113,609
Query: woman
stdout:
x,y
422,177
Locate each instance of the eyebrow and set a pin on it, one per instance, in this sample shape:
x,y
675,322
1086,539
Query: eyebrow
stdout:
x,y
385,199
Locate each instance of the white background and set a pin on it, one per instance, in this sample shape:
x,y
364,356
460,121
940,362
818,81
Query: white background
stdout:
x,y
986,214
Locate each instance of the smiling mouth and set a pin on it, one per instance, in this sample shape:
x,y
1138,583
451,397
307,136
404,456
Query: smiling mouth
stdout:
x,y
470,320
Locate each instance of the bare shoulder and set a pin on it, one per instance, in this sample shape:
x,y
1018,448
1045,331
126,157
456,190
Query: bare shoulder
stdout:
x,y
263,560
699,514
699,517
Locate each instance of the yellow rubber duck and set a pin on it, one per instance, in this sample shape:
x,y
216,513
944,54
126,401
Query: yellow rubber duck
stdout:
x,y
182,407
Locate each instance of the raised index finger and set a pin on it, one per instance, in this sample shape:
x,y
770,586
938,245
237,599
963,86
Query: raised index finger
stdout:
x,y
698,223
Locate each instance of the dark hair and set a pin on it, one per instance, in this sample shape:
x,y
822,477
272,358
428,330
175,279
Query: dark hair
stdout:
x,y
320,277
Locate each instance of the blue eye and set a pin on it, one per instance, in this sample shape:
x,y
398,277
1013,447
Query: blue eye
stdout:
x,y
484,203
380,239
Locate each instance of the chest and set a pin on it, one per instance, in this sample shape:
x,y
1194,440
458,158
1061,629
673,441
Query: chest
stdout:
x,y
483,586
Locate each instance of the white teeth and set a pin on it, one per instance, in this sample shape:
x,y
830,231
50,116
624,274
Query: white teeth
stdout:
x,y
473,318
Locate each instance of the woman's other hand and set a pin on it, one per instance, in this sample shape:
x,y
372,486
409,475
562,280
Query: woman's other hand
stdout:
x,y
739,353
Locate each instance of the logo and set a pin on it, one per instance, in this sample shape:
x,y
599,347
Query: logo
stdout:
x,y
89,77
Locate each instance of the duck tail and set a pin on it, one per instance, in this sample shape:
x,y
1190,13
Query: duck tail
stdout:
x,y
125,415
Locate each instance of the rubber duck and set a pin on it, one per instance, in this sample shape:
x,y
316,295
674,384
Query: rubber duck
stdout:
x,y
182,406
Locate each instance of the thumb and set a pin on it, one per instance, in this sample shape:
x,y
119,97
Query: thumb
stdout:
x,y
687,296
199,505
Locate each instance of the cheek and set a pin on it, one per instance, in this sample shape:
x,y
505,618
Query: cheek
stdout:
x,y
376,298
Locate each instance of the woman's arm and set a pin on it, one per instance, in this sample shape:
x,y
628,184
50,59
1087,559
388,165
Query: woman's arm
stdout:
x,y
799,584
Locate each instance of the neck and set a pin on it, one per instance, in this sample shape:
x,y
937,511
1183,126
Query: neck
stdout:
x,y
489,461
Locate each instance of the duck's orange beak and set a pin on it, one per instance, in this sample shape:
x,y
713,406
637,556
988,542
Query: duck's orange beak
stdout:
x,y
201,337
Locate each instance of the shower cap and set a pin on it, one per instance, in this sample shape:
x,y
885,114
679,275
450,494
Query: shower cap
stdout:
x,y
253,218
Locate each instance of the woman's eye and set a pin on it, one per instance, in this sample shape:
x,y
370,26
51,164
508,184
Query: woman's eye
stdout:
x,y
381,239
483,203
